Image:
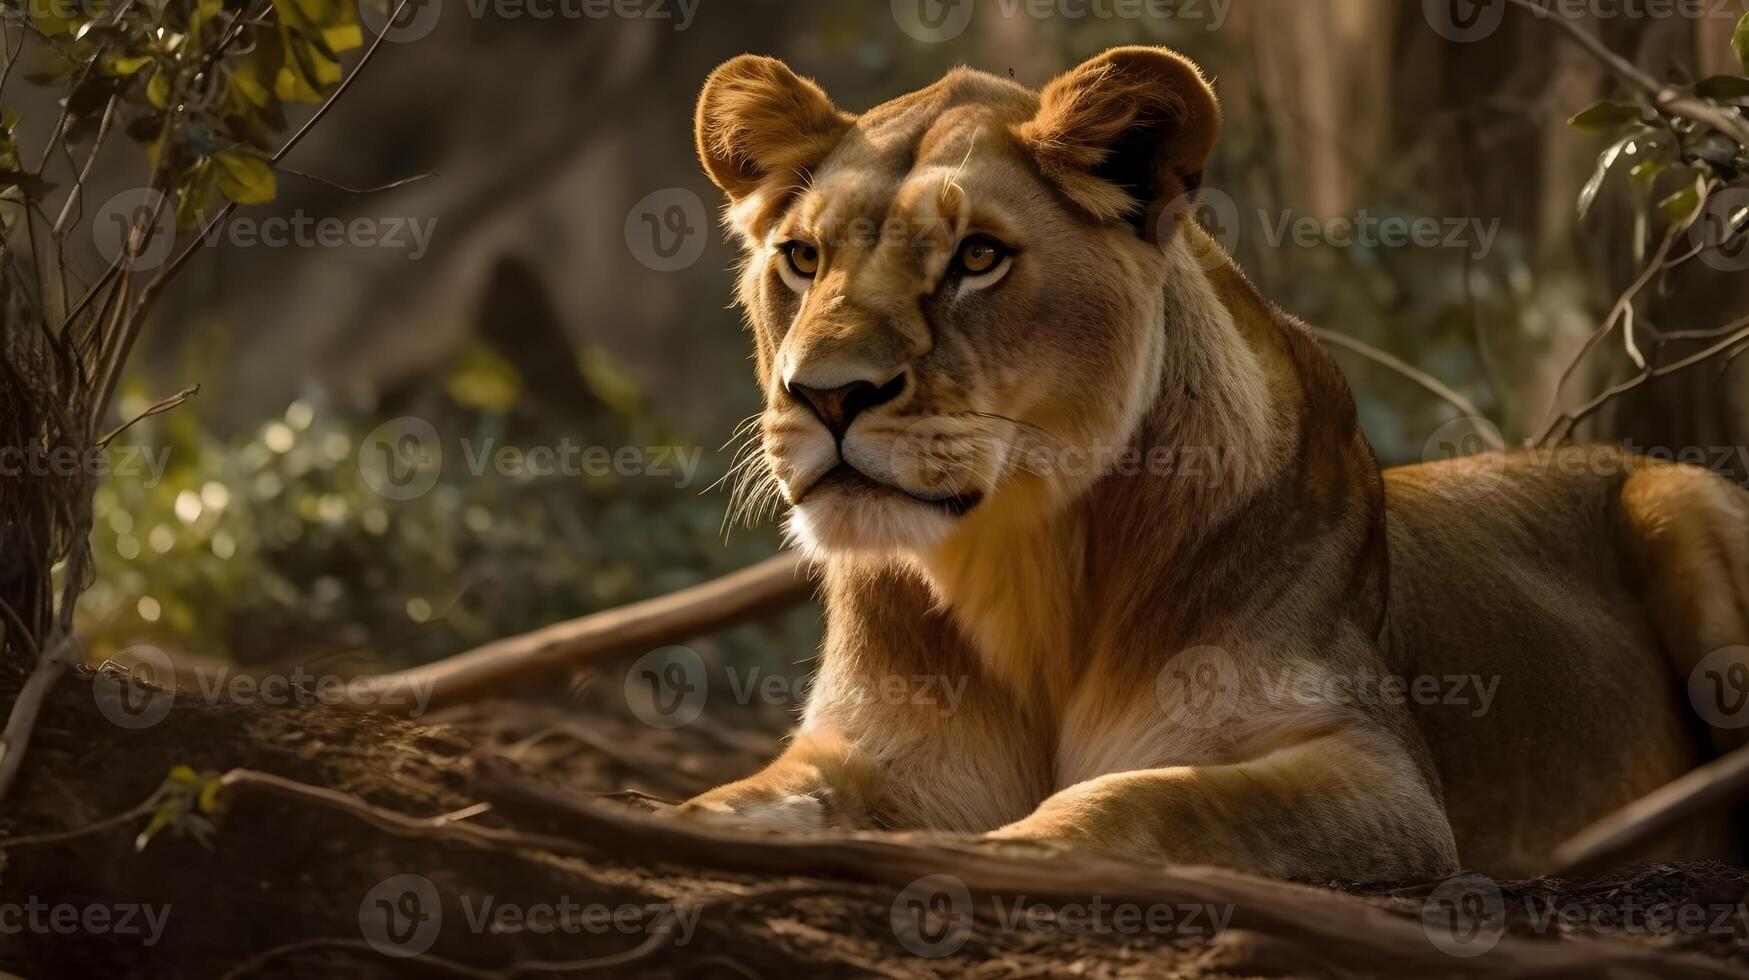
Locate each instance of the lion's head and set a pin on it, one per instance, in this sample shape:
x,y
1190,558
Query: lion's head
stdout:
x,y
956,291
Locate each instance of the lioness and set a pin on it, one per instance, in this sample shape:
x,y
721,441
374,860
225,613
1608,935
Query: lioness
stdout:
x,y
961,298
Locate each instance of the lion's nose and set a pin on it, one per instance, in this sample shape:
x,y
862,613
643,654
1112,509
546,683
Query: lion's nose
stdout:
x,y
838,407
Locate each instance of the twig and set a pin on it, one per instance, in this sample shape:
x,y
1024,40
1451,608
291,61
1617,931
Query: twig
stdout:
x,y
1624,304
158,408
391,185
1664,96
442,827
1568,422
1415,374
145,807
1729,328
73,196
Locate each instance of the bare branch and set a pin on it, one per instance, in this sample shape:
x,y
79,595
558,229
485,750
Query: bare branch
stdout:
x,y
1624,305
1666,97
158,408
1568,422
391,185
1415,374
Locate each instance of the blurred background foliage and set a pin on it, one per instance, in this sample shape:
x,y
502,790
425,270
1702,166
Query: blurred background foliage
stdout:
x,y
531,317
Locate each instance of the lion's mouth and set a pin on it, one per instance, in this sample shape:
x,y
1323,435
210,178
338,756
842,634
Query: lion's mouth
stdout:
x,y
851,480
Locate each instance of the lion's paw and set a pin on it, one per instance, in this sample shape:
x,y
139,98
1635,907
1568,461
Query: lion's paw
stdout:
x,y
795,813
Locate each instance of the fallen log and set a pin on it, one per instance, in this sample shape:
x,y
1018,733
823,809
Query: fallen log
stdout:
x,y
1624,833
772,586
1341,929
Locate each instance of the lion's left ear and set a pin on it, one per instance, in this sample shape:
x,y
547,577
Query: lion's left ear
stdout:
x,y
1125,131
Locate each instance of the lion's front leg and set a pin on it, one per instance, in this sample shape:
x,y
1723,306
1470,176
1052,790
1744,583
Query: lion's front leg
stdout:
x,y
1347,806
818,783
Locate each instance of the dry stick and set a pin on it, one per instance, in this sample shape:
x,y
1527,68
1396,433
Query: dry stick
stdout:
x,y
1567,422
1623,833
122,819
771,586
448,826
1415,374
1624,305
1666,97
157,408
75,198
1344,929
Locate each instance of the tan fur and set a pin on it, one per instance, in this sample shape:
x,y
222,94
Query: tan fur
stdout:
x,y
1171,663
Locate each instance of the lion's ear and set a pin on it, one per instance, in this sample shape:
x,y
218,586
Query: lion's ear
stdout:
x,y
758,121
1125,131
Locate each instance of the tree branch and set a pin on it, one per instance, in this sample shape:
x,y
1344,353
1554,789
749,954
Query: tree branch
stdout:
x,y
773,585
1415,374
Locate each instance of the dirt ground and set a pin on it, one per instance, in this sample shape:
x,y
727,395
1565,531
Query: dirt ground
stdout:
x,y
284,888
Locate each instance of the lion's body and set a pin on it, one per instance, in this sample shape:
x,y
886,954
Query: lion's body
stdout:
x,y
1549,581
1120,507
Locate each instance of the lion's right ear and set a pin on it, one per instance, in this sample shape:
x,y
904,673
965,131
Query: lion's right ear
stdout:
x,y
759,121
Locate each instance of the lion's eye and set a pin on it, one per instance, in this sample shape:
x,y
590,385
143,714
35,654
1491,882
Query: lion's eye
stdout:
x,y
803,258
979,254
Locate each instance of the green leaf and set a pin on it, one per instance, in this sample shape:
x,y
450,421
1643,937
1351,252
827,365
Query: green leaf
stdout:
x,y
124,66
1740,41
306,72
244,179
158,89
1680,208
1723,88
1605,117
1646,171
1605,160
208,800
344,37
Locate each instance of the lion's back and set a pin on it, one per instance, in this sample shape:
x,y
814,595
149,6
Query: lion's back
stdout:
x,y
1515,571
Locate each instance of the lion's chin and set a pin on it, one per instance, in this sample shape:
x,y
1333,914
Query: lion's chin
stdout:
x,y
851,514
